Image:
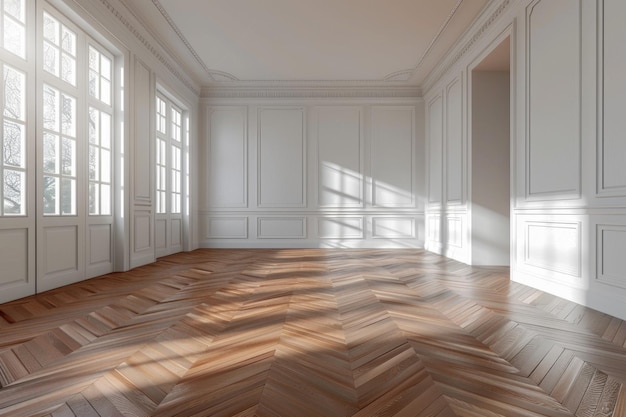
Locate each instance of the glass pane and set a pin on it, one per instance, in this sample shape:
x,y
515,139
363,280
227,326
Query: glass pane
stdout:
x,y
105,67
14,94
94,125
94,84
68,157
50,198
105,88
50,28
68,196
50,153
105,130
13,146
105,200
105,166
94,195
51,59
68,115
14,37
68,69
93,58
50,108
14,192
15,8
68,41
94,163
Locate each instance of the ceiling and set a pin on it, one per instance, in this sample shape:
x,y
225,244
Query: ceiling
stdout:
x,y
327,41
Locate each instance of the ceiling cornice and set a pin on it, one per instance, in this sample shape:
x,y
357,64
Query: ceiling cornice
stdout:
x,y
311,89
160,52
475,32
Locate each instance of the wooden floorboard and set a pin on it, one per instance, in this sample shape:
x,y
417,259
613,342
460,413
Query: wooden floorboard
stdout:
x,y
300,332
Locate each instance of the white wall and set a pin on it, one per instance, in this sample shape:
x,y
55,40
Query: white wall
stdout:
x,y
312,173
490,168
569,181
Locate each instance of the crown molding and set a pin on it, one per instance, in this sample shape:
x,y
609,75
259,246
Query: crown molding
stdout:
x,y
475,33
311,89
160,53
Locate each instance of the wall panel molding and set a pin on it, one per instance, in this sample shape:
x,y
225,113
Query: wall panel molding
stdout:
x,y
281,162
339,157
340,227
610,250
388,227
226,227
142,139
553,246
455,150
227,156
392,156
611,143
553,99
287,227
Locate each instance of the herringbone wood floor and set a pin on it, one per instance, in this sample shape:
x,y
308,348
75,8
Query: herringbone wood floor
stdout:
x,y
308,333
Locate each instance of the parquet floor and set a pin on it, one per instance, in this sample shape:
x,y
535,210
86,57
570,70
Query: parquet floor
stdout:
x,y
298,333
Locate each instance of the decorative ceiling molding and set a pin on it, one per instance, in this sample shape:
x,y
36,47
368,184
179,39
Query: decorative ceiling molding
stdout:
x,y
403,75
215,75
146,43
339,89
484,23
434,40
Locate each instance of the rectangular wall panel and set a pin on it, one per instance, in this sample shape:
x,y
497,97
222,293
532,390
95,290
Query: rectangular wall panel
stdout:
x,y
100,244
176,232
142,140
454,231
227,228
227,157
14,256
340,181
434,229
553,246
393,227
392,156
435,150
340,227
612,136
160,233
281,228
281,162
554,99
611,248
455,162
61,249
142,232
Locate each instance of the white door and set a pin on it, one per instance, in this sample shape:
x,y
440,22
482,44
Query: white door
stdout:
x,y
17,160
169,177
74,222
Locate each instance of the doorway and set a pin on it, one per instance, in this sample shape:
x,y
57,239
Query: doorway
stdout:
x,y
490,189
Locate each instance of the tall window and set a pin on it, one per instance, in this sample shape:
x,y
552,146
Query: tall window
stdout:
x,y
169,157
59,118
12,107
99,132
68,100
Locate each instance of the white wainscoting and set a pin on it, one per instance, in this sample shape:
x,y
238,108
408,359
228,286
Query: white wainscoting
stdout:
x,y
392,156
553,65
611,174
226,228
100,245
435,150
281,157
340,227
14,249
611,251
320,173
281,227
227,157
339,156
454,144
